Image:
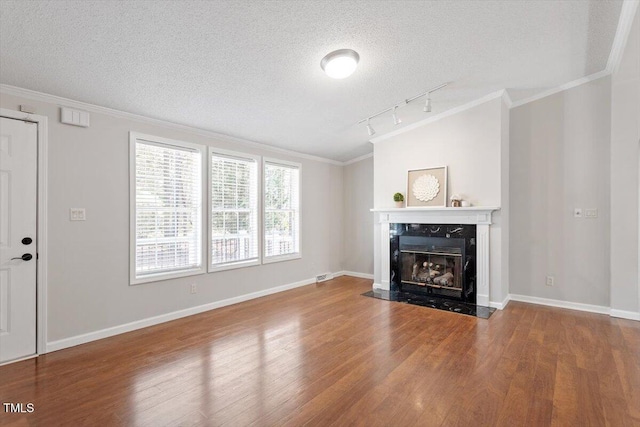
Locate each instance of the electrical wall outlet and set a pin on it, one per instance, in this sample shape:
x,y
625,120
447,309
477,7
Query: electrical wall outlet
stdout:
x,y
577,213
194,288
550,281
77,214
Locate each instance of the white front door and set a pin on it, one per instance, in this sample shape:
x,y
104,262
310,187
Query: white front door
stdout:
x,y
18,193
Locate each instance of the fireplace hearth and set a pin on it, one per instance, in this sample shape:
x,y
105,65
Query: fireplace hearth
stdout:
x,y
433,302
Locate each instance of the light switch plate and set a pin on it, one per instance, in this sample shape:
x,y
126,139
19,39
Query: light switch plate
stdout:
x,y
591,213
577,213
77,214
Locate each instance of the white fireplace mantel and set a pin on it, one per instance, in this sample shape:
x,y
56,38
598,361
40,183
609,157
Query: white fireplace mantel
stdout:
x,y
470,215
476,215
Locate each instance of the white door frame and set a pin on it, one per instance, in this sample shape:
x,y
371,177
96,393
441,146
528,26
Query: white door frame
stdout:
x,y
41,272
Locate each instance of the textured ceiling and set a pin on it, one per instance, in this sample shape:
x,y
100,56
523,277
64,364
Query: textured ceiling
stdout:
x,y
251,69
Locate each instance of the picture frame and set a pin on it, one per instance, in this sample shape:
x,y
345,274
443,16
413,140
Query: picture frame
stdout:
x,y
427,187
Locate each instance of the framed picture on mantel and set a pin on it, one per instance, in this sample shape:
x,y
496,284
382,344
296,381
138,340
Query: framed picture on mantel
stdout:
x,y
427,187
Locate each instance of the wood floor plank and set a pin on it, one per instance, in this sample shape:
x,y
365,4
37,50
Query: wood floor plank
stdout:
x,y
324,355
542,385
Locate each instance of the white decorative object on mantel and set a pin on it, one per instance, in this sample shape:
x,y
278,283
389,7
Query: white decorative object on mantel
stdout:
x,y
426,187
480,216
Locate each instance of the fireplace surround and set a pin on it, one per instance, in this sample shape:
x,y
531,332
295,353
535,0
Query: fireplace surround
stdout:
x,y
387,221
433,259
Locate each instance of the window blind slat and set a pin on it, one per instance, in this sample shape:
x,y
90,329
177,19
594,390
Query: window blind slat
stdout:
x,y
282,209
234,209
168,208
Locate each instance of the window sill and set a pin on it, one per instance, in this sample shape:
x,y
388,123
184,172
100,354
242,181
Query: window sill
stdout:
x,y
233,266
165,276
281,258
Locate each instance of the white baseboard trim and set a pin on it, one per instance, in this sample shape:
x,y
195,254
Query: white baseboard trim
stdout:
x,y
622,314
151,321
600,309
377,286
500,305
19,359
353,274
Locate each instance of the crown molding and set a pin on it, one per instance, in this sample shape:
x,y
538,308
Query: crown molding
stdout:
x,y
66,102
357,159
439,116
507,99
566,86
627,14
60,101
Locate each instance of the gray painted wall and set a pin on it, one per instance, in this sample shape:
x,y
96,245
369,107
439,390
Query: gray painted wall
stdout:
x,y
625,137
89,261
559,160
358,220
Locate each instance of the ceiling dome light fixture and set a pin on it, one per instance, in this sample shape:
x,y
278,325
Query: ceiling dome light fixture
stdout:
x,y
340,64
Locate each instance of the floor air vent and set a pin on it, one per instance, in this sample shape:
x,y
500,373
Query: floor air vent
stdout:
x,y
323,277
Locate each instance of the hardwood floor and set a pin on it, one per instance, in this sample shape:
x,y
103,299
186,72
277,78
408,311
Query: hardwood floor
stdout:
x,y
325,355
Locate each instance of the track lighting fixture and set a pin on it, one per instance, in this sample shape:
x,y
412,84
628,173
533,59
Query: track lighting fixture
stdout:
x,y
396,120
370,129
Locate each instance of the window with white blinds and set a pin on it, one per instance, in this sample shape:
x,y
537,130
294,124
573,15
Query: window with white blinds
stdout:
x,y
167,195
234,210
281,210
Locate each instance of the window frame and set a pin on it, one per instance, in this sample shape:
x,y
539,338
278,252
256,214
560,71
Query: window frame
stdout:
x,y
134,137
259,217
288,257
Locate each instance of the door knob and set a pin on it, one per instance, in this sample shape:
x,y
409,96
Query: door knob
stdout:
x,y
24,257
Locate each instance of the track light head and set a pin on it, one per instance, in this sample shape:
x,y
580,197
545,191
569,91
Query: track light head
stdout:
x,y
427,105
396,120
370,129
